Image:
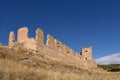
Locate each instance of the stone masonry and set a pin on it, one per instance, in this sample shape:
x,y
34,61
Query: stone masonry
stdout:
x,y
11,38
50,42
22,34
52,45
87,53
39,40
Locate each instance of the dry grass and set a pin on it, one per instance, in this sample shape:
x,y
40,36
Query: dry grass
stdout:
x,y
11,70
42,68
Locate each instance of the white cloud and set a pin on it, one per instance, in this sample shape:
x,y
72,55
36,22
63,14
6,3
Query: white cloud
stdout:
x,y
110,59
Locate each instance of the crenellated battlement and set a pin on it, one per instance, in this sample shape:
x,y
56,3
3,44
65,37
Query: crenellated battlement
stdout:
x,y
52,45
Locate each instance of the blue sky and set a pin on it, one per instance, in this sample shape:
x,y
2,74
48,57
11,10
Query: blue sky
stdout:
x,y
77,23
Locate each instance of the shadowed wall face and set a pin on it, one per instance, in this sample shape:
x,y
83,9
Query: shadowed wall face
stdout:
x,y
22,34
11,38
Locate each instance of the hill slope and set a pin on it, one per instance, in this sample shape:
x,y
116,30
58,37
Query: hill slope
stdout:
x,y
19,64
111,67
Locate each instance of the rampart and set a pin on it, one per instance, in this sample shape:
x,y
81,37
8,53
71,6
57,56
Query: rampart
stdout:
x,y
52,45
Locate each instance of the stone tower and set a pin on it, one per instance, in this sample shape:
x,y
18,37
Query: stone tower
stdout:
x,y
39,39
11,38
87,53
22,34
50,42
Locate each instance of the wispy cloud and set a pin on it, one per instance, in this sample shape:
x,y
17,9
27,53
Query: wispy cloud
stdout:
x,y
110,59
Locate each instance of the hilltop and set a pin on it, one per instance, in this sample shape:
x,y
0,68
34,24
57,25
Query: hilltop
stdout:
x,y
23,64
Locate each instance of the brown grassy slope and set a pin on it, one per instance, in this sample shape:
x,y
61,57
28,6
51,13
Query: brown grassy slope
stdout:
x,y
23,65
40,61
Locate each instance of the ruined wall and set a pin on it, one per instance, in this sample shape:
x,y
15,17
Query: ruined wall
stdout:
x,y
52,47
68,51
11,38
39,36
30,44
50,42
58,46
72,51
87,53
22,34
78,55
90,63
38,42
61,49
23,38
39,39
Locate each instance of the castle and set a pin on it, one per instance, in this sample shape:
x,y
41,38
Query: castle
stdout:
x,y
52,45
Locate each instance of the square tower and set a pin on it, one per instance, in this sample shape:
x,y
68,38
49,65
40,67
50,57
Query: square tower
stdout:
x,y
87,53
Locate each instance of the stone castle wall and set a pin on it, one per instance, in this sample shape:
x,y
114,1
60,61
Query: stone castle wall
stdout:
x,y
22,35
11,38
52,45
87,53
